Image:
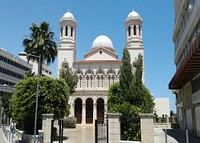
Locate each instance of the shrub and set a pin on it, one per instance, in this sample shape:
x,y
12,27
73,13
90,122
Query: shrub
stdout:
x,y
70,122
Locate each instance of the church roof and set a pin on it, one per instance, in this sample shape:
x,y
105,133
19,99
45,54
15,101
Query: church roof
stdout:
x,y
101,51
133,15
98,61
68,16
102,41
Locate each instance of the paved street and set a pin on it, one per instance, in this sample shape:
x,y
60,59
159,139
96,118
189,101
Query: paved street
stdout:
x,y
85,134
173,136
82,134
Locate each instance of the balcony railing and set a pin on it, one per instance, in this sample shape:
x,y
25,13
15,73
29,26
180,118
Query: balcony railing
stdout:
x,y
189,67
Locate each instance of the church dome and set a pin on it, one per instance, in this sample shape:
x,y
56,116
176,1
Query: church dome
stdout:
x,y
68,16
133,15
102,41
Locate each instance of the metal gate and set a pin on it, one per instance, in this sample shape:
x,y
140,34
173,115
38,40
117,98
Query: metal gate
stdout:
x,y
101,132
57,131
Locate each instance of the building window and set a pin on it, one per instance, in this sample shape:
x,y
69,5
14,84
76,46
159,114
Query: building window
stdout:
x,y
98,80
134,29
66,31
129,31
91,78
72,32
113,79
109,80
139,30
61,31
100,52
87,80
80,81
101,81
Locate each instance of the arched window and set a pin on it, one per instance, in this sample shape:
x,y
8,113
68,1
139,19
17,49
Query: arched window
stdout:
x,y
98,80
79,73
109,80
129,31
72,32
61,31
87,82
102,81
134,29
91,78
113,79
139,30
80,81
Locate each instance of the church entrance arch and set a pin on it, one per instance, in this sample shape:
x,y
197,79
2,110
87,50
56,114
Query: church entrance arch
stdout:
x,y
100,110
78,110
89,111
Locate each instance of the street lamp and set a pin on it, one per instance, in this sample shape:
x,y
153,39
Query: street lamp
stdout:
x,y
37,92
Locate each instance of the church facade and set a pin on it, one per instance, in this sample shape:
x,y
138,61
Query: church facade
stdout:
x,y
99,69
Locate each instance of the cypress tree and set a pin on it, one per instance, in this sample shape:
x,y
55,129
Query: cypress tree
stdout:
x,y
131,98
126,75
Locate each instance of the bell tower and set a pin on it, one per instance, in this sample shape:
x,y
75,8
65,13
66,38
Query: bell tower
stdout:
x,y
67,42
134,42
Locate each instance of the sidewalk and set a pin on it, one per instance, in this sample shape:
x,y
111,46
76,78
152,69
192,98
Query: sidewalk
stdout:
x,y
6,137
173,136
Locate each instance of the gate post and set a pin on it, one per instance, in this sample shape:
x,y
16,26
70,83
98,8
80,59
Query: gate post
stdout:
x,y
46,126
114,130
147,128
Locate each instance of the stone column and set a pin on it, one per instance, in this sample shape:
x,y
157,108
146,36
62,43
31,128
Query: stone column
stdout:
x,y
105,111
141,31
147,128
73,109
74,32
137,30
63,32
83,113
114,130
94,112
132,30
69,31
46,127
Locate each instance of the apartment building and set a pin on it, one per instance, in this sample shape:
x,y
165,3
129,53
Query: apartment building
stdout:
x,y
12,70
185,83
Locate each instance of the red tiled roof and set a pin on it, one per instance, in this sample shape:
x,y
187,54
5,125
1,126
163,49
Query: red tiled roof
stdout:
x,y
98,61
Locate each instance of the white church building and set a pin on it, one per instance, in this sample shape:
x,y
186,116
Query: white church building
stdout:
x,y
100,67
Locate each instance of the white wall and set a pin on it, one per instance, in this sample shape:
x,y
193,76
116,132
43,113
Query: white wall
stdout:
x,y
162,106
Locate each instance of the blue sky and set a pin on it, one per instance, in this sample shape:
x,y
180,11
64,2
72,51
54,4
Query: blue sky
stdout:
x,y
94,18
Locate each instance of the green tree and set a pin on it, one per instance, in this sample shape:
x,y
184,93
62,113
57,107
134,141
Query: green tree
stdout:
x,y
29,74
130,120
52,98
70,78
126,75
115,96
130,97
41,44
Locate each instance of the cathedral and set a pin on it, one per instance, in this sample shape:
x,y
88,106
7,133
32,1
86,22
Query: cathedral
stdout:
x,y
99,69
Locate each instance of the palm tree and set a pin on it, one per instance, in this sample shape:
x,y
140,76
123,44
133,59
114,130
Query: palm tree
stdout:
x,y
40,43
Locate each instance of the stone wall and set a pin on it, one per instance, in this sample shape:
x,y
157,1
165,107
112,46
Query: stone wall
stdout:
x,y
147,128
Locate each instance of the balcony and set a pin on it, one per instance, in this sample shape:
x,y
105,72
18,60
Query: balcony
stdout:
x,y
189,67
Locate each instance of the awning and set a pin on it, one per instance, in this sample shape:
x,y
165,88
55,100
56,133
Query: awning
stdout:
x,y
189,67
